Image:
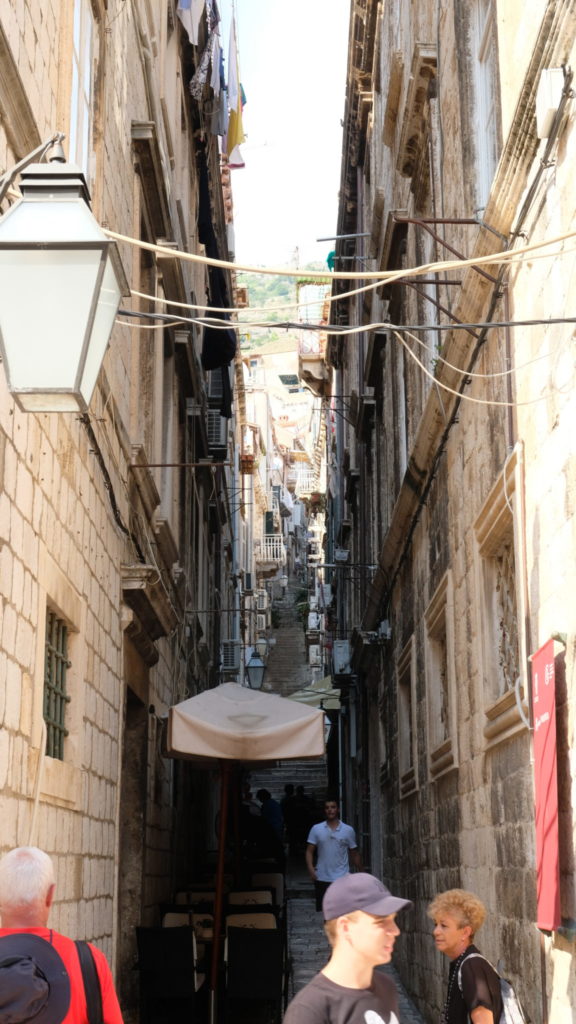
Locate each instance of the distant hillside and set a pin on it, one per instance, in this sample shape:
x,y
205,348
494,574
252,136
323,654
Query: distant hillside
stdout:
x,y
266,291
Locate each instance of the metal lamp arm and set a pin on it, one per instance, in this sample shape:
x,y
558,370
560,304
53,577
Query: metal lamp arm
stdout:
x,y
36,154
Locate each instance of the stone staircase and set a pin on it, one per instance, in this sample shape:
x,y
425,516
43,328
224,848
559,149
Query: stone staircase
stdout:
x,y
288,671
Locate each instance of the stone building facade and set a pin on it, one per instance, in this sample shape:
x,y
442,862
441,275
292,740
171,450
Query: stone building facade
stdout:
x,y
452,465
116,547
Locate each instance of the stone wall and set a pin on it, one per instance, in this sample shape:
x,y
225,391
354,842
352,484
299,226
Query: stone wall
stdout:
x,y
96,523
468,504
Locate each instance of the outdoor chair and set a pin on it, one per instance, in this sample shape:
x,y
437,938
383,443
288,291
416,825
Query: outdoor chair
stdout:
x,y
251,897
200,899
254,961
253,919
203,924
168,980
273,879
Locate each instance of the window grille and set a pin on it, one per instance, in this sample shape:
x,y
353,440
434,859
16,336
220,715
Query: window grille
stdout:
x,y
507,614
55,696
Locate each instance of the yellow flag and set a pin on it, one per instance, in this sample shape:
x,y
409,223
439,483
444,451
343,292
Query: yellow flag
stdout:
x,y
235,129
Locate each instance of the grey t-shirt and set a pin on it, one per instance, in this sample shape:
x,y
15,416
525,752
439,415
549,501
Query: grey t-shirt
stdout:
x,y
321,1001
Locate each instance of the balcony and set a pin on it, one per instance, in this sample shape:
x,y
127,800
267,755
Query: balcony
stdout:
x,y
269,552
306,481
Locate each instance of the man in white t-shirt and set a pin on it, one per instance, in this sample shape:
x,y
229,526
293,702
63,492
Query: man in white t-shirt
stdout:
x,y
334,846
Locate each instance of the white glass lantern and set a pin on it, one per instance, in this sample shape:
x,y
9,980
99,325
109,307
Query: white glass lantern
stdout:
x,y
255,670
61,282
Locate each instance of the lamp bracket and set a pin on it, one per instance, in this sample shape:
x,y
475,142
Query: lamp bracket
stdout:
x,y
36,154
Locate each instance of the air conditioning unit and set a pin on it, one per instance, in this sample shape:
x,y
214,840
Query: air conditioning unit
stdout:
x,y
314,656
385,630
248,583
262,600
261,623
230,655
217,428
341,555
341,657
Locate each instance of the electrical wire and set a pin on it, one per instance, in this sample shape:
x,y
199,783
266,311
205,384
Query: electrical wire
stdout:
x,y
337,329
384,276
329,299
466,373
460,394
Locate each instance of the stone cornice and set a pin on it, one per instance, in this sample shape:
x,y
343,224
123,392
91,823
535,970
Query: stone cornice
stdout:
x,y
15,111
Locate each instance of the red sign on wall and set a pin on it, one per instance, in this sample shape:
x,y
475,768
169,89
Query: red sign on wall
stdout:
x,y
546,786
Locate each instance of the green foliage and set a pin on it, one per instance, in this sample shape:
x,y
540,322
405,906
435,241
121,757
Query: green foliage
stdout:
x,y
265,291
268,291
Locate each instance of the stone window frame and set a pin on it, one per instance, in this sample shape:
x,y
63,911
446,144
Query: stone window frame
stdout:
x,y
406,713
56,697
439,632
60,781
502,515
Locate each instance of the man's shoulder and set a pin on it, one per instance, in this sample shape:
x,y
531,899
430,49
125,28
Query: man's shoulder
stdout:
x,y
319,826
310,996
347,829
55,939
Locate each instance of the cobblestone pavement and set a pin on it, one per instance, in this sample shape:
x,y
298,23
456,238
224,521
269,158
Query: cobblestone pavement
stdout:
x,y
308,947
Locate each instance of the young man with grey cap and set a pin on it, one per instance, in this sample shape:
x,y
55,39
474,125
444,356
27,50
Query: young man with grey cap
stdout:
x,y
360,922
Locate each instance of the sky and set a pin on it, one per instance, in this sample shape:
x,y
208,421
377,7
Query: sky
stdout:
x,y
292,58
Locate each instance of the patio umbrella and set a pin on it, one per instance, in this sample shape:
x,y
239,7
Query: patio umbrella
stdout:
x,y
232,723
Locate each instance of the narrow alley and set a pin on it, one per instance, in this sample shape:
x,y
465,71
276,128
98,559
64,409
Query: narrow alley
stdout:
x,y
288,497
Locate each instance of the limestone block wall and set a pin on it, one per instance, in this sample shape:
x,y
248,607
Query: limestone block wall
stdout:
x,y
59,549
76,517
468,502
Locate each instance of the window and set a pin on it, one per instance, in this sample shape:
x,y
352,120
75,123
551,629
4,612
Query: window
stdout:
x,y
83,50
485,88
406,721
56,699
440,679
501,601
60,683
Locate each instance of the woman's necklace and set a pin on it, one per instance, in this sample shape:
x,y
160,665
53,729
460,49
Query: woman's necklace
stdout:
x,y
444,1018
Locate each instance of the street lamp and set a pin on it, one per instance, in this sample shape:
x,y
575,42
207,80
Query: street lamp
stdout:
x,y
61,282
262,647
255,670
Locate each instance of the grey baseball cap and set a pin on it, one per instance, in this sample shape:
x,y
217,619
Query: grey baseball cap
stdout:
x,y
360,892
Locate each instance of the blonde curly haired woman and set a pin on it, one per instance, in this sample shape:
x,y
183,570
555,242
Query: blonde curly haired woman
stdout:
x,y
473,985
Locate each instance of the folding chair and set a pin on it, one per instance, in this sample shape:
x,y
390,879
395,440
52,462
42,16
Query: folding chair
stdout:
x,y
251,897
203,925
256,920
167,975
273,880
204,898
254,968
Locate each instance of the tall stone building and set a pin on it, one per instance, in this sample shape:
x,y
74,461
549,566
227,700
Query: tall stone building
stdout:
x,y
452,469
117,555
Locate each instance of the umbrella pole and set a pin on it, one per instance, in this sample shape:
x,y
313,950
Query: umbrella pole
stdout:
x,y
219,899
236,795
